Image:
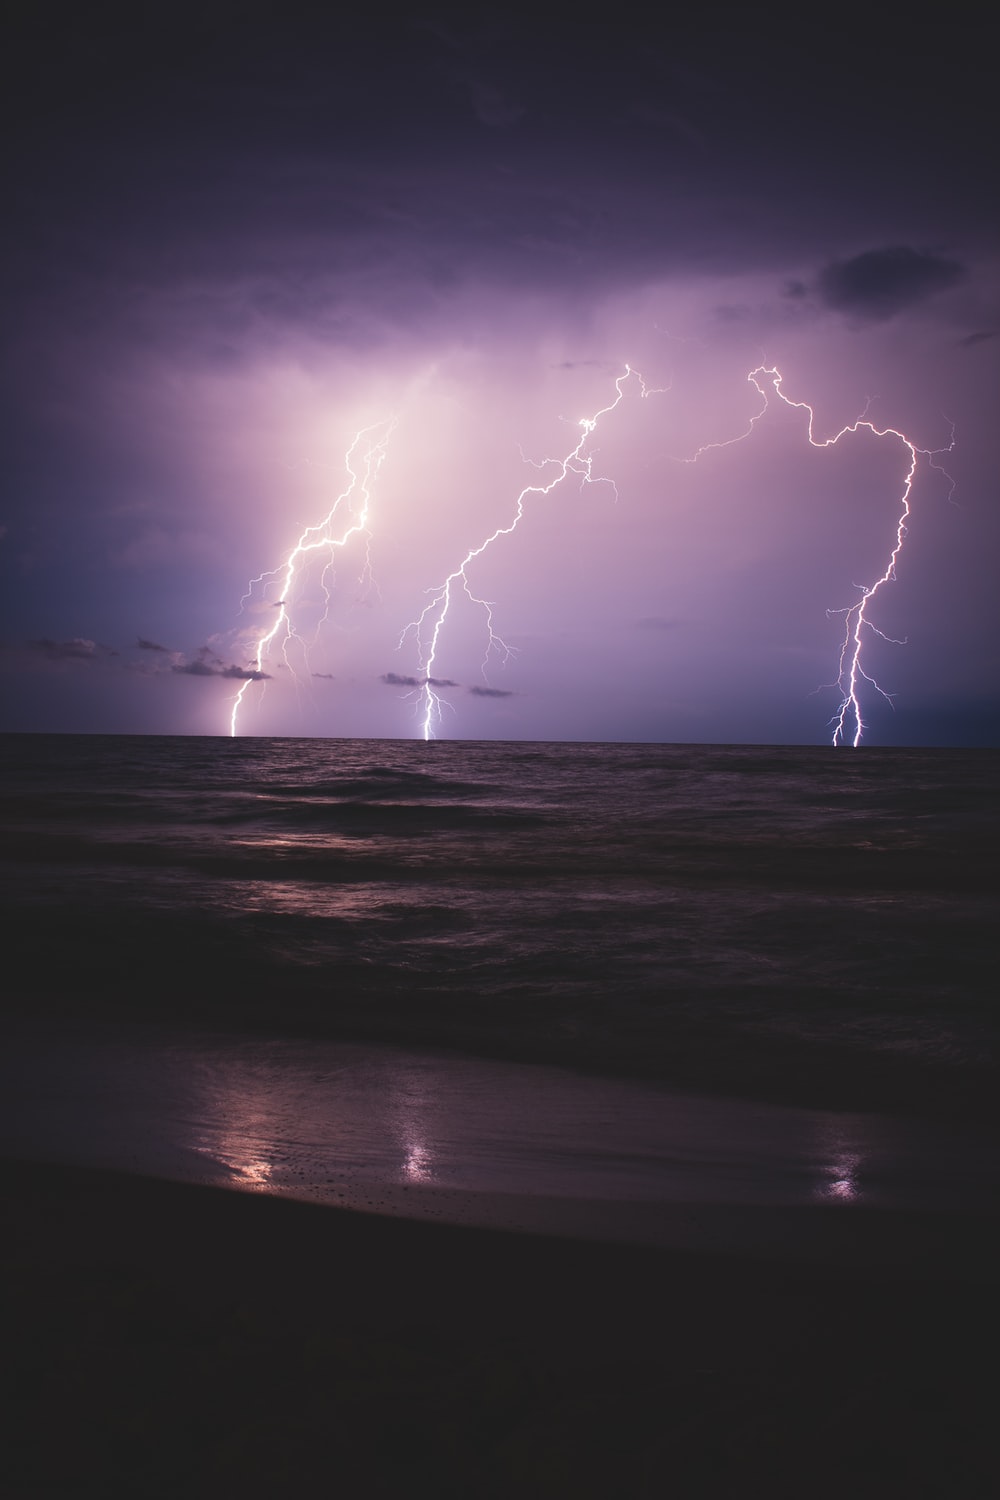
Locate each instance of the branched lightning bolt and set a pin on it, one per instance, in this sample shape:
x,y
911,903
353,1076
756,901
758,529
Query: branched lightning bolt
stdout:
x,y
365,456
848,722
427,627
362,461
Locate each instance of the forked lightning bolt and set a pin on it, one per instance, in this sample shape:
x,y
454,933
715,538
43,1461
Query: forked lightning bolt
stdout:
x,y
362,461
428,626
848,722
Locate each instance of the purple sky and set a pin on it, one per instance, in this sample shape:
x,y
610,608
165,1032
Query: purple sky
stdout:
x,y
241,234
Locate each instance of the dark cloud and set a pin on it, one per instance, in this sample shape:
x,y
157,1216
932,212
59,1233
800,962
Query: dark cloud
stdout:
x,y
397,679
196,669
878,284
982,337
489,692
327,676
76,649
200,667
247,179
151,646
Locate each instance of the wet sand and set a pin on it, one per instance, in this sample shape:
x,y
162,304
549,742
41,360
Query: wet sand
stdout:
x,y
167,1339
491,1144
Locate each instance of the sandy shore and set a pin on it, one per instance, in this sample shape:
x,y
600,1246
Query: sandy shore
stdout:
x,y
173,1340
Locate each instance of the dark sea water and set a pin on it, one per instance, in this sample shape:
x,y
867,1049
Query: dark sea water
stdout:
x,y
724,912
786,927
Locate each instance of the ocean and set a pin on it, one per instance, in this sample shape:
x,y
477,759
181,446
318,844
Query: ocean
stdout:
x,y
806,930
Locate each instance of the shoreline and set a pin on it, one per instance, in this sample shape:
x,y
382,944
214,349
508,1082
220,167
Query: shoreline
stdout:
x,y
435,1136
170,1338
734,1066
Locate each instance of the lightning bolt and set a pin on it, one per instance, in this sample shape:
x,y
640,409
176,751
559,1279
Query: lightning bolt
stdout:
x,y
367,452
427,628
848,722
362,461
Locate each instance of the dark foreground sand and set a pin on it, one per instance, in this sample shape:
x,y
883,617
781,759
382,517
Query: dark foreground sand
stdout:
x,y
170,1340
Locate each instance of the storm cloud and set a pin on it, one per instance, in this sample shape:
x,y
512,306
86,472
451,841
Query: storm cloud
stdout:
x,y
879,284
398,679
241,240
201,668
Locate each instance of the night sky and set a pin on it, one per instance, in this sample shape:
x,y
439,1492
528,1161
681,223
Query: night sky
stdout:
x,y
237,234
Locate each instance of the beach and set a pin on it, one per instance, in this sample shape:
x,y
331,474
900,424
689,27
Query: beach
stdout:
x,y
168,1339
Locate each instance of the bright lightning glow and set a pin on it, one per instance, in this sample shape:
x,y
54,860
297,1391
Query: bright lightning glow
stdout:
x,y
367,452
428,626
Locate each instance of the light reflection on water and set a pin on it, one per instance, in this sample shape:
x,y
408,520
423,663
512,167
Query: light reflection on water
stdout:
x,y
378,1127
354,902
842,1159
